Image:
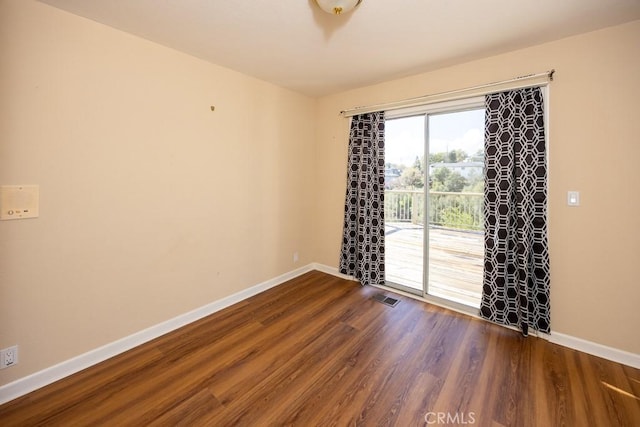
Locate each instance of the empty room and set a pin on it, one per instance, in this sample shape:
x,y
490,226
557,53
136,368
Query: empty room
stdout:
x,y
319,212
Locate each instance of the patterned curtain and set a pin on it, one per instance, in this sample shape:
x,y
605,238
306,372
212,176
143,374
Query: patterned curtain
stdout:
x,y
362,253
516,263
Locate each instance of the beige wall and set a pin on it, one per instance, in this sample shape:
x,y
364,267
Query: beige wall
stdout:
x,y
594,148
151,205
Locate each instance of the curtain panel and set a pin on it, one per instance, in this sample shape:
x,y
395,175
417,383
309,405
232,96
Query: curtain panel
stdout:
x,y
362,252
516,264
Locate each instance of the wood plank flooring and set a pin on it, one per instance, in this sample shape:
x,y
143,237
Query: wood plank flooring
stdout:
x,y
318,351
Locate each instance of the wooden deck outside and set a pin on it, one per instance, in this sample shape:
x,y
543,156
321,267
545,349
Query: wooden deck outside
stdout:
x,y
455,270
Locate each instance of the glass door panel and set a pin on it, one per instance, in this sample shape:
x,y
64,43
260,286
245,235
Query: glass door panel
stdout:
x,y
404,202
434,239
455,198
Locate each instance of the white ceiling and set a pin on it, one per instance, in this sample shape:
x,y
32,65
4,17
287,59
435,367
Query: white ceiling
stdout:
x,y
293,44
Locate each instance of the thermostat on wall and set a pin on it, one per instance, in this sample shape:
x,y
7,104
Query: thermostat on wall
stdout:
x,y
19,201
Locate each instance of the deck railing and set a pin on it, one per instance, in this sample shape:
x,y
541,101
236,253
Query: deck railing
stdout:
x,y
454,210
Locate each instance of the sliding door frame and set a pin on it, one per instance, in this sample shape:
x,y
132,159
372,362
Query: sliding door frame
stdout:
x,y
461,105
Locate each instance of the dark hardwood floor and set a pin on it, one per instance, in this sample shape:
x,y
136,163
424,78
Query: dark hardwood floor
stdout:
x,y
319,351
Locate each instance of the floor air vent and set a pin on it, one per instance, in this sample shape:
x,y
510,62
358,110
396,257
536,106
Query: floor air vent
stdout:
x,y
391,302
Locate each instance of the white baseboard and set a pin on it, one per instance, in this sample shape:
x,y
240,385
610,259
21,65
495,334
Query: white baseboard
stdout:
x,y
330,270
595,349
54,373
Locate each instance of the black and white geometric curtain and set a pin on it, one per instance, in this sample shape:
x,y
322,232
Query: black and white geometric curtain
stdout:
x,y
516,264
362,253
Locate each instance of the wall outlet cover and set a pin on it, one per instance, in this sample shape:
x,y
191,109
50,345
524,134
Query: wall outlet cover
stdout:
x,y
9,357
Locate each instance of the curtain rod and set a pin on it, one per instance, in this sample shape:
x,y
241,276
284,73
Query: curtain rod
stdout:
x,y
529,80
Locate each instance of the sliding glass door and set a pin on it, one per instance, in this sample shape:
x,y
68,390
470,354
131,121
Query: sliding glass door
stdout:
x,y
404,202
433,203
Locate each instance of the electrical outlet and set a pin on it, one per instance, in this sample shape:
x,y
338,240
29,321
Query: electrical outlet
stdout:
x,y
295,257
9,357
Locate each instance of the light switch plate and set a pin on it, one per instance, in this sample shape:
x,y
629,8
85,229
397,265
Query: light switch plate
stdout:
x,y
19,201
573,198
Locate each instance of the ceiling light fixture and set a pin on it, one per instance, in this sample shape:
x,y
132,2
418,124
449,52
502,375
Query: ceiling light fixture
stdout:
x,y
338,7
